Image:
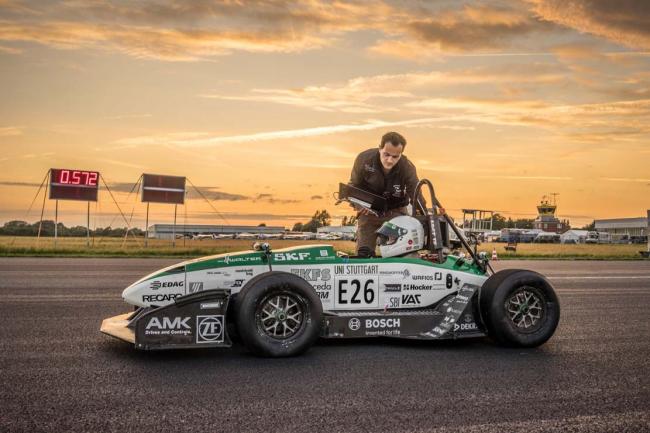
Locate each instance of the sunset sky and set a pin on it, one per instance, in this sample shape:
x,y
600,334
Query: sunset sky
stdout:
x,y
265,104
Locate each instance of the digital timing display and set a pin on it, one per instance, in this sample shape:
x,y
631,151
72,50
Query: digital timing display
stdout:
x,y
73,184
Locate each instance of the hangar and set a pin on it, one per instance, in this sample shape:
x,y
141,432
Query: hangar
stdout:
x,y
619,227
166,231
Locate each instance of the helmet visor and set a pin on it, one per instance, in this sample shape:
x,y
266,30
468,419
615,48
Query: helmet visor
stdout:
x,y
389,233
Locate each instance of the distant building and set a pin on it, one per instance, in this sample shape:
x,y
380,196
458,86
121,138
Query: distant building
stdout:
x,y
477,220
337,229
619,227
165,231
546,219
343,232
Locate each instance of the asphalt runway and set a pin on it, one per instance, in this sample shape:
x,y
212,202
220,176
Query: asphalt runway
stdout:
x,y
59,373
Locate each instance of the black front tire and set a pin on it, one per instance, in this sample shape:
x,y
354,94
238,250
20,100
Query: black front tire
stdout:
x,y
519,308
285,300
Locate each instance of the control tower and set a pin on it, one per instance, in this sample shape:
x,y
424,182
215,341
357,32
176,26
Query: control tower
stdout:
x,y
546,219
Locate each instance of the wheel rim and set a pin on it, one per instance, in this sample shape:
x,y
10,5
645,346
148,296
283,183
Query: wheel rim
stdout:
x,y
280,316
526,309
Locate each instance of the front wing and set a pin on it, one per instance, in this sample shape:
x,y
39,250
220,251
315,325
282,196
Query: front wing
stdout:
x,y
193,321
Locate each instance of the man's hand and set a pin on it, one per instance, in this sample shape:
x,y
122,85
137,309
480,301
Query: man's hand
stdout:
x,y
441,211
361,210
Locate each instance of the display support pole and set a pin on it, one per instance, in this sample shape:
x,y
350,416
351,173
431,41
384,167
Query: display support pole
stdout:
x,y
146,227
40,222
56,221
648,231
174,228
88,226
184,223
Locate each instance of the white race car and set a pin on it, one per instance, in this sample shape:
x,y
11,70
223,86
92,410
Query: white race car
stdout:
x,y
280,302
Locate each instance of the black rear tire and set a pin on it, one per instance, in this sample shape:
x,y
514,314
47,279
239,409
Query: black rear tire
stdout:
x,y
278,314
519,308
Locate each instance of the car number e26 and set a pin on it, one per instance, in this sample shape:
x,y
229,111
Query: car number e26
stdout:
x,y
356,293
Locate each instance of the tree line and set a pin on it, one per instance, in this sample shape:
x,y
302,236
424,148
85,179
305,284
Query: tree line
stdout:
x,y
500,222
23,228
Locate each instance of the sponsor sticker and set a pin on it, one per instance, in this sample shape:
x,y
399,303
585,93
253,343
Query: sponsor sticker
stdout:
x,y
424,277
195,286
354,324
325,287
418,287
411,299
228,259
247,272
161,297
465,327
405,273
288,257
220,272
209,329
313,274
382,323
356,269
168,326
155,285
392,287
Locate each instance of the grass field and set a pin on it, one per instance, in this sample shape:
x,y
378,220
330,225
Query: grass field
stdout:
x,y
116,247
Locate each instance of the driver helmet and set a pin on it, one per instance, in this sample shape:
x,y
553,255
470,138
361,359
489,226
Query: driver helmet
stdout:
x,y
401,235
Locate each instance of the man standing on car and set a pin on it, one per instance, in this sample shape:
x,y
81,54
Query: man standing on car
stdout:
x,y
388,173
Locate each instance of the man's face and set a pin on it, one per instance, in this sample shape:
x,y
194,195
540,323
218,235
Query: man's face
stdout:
x,y
390,154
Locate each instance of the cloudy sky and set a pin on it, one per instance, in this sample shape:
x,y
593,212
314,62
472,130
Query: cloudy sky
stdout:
x,y
264,104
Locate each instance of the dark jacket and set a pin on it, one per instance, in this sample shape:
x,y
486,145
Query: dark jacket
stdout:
x,y
397,186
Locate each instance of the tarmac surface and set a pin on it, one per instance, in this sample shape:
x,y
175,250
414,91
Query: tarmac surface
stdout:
x,y
59,373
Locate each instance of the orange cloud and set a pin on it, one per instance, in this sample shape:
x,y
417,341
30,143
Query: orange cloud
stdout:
x,y
624,21
162,44
369,94
183,31
10,131
471,28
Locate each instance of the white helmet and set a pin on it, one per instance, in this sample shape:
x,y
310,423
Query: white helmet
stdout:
x,y
401,235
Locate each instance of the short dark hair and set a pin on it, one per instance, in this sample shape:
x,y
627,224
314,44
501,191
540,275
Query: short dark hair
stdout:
x,y
395,138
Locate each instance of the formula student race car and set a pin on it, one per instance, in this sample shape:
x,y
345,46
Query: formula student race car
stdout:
x,y
279,302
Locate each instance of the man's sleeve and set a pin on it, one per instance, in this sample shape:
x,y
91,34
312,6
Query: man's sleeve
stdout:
x,y
412,183
356,178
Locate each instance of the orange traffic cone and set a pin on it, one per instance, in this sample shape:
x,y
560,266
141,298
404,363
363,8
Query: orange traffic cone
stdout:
x,y
494,254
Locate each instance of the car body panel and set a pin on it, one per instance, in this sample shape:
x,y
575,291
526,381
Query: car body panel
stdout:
x,y
342,283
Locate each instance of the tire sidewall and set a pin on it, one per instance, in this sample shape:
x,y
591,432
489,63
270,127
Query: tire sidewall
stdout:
x,y
501,326
271,284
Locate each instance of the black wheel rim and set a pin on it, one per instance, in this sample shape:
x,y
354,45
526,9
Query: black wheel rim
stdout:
x,y
280,315
526,309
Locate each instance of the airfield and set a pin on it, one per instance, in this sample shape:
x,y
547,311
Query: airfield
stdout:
x,y
59,373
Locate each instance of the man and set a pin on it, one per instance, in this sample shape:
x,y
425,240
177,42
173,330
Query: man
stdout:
x,y
388,173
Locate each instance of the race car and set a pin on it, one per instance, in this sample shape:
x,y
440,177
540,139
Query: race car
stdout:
x,y
279,302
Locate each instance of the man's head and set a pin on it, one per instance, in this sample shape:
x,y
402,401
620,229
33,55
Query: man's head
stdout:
x,y
391,148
